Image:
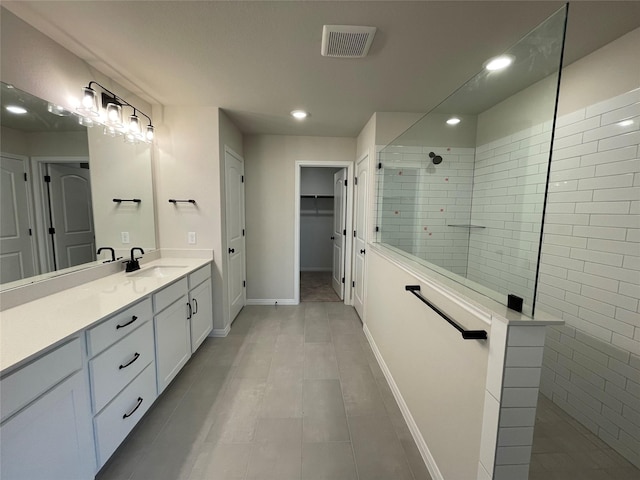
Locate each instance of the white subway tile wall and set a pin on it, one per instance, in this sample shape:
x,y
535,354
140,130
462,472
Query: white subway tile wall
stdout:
x,y
590,271
508,195
421,200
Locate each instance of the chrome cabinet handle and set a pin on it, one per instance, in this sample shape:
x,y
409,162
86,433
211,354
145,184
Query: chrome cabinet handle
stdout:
x,y
135,357
133,319
134,408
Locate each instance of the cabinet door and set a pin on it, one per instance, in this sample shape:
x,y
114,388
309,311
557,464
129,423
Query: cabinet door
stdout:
x,y
173,341
202,313
52,439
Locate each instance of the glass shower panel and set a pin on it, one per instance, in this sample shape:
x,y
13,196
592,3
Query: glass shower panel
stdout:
x,y
463,190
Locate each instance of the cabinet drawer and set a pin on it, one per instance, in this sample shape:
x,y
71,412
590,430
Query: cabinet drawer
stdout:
x,y
118,326
118,365
199,276
168,295
115,422
28,383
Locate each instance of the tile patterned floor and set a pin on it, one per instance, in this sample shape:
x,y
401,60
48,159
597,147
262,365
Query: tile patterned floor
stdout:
x,y
294,392
563,449
317,287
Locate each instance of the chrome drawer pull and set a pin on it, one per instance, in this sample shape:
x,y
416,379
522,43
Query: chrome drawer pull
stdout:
x,y
133,319
135,357
134,408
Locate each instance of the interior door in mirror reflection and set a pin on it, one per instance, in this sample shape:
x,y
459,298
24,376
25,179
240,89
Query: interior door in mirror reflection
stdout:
x,y
70,215
16,246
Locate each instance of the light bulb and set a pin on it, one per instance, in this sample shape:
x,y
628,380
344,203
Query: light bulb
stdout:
x,y
150,133
114,114
499,63
134,123
89,103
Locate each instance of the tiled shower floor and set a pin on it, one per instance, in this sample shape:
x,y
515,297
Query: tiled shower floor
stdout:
x,y
565,450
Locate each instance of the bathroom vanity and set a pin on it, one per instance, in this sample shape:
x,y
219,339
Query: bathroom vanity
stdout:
x,y
81,367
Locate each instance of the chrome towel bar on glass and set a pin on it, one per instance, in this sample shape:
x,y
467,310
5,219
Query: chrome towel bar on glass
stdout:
x,y
466,334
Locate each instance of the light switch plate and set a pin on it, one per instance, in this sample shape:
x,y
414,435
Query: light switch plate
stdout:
x,y
191,238
124,237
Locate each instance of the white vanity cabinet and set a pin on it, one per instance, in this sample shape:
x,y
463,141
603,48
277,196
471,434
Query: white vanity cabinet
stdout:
x,y
200,306
46,428
183,317
122,374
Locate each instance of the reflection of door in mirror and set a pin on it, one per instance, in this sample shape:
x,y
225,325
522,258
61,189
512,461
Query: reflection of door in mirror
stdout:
x,y
70,217
16,245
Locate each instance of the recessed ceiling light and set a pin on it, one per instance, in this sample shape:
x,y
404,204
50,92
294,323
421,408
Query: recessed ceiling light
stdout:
x,y
15,109
453,121
626,123
499,63
299,114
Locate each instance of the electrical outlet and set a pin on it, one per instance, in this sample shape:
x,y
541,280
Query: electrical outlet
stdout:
x,y
124,237
191,238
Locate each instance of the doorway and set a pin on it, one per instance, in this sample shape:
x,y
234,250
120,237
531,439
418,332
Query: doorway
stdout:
x,y
323,218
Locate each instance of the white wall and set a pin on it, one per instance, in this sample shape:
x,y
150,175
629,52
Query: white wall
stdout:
x,y
270,204
121,170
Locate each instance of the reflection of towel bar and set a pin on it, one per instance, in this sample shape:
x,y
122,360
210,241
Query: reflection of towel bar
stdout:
x,y
466,334
174,201
466,225
120,200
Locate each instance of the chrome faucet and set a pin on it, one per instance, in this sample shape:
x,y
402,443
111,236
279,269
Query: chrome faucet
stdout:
x,y
133,264
113,254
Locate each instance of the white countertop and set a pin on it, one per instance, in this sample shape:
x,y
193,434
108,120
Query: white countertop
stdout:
x,y
32,327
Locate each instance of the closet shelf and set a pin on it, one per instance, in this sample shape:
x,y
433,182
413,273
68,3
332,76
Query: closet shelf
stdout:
x,y
317,205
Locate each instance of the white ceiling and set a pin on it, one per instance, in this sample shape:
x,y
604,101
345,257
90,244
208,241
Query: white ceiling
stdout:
x,y
260,60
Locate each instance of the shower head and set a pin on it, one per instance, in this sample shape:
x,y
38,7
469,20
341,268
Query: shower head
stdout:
x,y
436,159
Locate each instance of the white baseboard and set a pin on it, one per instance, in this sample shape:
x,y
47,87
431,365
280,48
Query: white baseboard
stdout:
x,y
427,457
316,269
220,332
271,301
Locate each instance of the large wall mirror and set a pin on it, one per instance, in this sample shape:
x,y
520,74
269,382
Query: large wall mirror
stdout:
x,y
59,183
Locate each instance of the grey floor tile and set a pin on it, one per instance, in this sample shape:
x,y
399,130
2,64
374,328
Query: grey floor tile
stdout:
x,y
254,365
325,428
221,461
360,393
279,430
320,361
275,461
316,330
378,452
328,461
282,399
292,325
322,398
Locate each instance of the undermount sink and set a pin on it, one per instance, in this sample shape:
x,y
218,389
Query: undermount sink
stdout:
x,y
158,271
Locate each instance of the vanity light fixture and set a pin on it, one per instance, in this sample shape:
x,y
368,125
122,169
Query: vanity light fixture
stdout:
x,y
499,63
58,110
453,121
16,109
110,115
299,114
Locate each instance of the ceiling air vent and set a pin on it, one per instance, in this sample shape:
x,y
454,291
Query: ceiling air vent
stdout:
x,y
346,41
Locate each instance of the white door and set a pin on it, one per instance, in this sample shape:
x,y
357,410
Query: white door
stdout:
x,y
16,246
234,187
339,230
71,215
360,235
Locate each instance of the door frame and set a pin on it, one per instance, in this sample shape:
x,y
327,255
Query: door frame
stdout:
x,y
45,249
300,164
